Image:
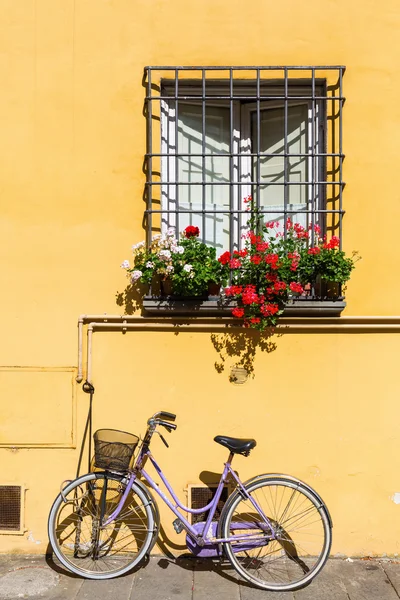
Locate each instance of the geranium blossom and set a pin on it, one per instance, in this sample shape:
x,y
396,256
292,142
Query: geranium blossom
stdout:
x,y
125,264
191,231
136,275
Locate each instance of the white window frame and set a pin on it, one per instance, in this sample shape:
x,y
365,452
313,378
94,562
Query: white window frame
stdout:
x,y
242,112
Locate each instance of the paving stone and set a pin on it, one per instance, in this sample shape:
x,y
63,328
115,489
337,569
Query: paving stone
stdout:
x,y
163,579
365,580
327,585
215,580
27,582
392,571
119,588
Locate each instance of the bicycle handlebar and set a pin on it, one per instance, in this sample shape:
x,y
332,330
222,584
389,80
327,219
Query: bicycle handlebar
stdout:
x,y
166,424
166,416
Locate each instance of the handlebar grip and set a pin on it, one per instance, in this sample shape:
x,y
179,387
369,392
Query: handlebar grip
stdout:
x,y
166,424
167,416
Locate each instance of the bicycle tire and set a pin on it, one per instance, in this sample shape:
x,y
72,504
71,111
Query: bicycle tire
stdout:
x,y
281,564
95,552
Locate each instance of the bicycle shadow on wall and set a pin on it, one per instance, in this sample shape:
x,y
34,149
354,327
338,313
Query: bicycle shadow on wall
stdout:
x,y
240,348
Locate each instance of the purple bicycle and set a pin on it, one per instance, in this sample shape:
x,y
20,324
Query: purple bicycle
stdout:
x,y
275,529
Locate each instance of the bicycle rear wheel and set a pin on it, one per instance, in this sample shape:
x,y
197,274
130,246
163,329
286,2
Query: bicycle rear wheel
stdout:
x,y
291,555
89,549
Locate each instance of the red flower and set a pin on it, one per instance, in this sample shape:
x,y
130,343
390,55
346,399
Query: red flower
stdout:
x,y
255,320
296,287
255,259
238,312
279,286
271,259
271,277
254,239
235,263
272,224
191,231
225,258
247,200
233,290
269,309
262,246
240,253
249,295
315,250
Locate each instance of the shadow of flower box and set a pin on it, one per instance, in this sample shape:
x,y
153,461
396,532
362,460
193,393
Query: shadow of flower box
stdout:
x,y
217,306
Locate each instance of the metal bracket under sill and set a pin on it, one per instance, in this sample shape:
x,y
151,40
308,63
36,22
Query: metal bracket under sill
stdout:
x,y
214,306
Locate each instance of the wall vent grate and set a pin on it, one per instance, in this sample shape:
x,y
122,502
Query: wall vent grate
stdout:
x,y
10,507
201,496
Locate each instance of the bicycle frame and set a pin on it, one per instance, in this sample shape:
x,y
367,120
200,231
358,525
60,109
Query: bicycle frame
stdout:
x,y
205,537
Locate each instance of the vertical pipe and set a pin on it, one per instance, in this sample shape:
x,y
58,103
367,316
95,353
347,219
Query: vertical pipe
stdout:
x,y
89,353
79,376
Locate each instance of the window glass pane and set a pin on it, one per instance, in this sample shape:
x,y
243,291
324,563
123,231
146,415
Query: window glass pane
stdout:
x,y
272,168
216,169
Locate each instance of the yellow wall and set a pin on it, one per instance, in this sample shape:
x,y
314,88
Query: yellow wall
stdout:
x,y
323,407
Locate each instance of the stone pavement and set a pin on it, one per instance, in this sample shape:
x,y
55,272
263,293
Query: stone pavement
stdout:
x,y
192,579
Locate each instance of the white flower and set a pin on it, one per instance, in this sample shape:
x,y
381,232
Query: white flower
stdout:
x,y
149,264
180,249
137,246
136,275
125,264
171,232
170,269
164,254
188,268
156,237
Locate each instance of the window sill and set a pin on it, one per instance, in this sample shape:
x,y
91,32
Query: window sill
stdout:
x,y
214,306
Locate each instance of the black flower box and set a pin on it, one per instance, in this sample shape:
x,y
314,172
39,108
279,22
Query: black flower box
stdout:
x,y
217,306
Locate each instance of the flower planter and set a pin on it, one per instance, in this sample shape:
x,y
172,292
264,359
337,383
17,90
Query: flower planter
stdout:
x,y
166,287
214,289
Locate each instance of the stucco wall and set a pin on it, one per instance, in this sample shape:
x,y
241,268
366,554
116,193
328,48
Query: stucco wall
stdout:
x,y
323,407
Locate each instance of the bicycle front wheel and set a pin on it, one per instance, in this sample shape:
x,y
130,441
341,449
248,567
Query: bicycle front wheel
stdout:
x,y
287,529
83,544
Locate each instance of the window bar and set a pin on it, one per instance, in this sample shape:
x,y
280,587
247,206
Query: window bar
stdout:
x,y
244,211
258,174
285,160
313,140
149,177
231,219
203,160
176,158
340,157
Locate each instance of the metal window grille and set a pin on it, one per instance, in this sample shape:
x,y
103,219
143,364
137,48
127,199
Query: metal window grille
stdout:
x,y
10,507
320,87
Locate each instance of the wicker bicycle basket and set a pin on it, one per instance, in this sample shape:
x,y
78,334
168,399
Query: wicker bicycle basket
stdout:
x,y
113,449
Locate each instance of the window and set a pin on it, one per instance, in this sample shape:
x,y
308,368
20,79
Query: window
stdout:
x,y
219,134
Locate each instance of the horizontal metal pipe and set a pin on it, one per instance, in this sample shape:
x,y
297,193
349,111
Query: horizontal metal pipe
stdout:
x,y
360,323
228,326
342,319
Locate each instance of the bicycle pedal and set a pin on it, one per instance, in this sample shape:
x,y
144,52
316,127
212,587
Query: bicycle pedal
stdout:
x,y
178,525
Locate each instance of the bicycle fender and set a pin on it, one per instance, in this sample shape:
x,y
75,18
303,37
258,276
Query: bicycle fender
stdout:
x,y
294,479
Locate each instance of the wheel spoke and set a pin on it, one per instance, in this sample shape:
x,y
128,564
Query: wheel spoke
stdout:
x,y
296,549
88,549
